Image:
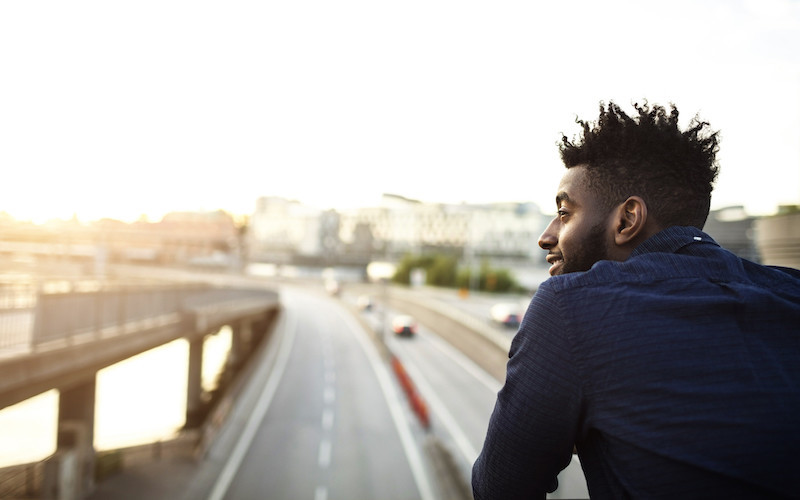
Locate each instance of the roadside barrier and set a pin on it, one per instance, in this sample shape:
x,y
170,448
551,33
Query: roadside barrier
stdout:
x,y
415,400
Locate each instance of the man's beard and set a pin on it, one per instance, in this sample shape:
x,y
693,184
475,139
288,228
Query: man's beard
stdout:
x,y
590,251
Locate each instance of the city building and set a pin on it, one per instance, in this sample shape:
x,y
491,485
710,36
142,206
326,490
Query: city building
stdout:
x,y
734,230
778,237
286,231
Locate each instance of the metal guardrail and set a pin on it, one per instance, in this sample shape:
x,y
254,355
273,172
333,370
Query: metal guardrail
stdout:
x,y
17,300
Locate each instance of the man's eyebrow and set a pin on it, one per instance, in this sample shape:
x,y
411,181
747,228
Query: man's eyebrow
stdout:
x,y
562,196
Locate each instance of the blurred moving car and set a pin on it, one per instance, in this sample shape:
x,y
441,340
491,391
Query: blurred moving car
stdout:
x,y
507,314
404,325
364,303
332,287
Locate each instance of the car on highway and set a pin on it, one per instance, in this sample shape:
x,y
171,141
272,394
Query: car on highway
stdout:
x,y
333,288
507,314
364,303
404,325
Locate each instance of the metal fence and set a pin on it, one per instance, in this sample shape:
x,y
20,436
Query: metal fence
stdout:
x,y
30,318
17,301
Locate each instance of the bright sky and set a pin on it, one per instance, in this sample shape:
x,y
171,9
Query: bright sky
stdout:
x,y
125,108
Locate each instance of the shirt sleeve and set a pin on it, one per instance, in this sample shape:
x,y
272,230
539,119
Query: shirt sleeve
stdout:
x,y
535,421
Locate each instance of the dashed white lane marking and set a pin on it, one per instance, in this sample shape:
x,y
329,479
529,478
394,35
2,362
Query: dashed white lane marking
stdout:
x,y
321,493
327,419
324,457
329,396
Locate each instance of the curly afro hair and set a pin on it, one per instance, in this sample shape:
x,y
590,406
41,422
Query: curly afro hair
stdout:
x,y
648,156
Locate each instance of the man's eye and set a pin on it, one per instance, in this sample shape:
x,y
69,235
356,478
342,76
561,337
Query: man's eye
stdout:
x,y
562,213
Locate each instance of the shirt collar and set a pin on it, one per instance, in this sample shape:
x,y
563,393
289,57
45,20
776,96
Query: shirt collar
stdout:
x,y
673,239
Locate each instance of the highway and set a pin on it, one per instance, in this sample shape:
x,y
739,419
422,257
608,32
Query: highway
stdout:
x,y
334,425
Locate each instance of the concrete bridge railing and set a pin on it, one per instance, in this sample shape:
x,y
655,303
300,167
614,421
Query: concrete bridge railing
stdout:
x,y
76,334
73,318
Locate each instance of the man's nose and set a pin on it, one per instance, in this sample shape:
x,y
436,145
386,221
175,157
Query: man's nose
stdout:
x,y
548,238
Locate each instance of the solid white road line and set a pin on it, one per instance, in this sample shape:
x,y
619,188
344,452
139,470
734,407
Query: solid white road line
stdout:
x,y
235,459
441,412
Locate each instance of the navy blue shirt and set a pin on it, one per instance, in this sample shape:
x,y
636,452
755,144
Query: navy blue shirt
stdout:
x,y
675,373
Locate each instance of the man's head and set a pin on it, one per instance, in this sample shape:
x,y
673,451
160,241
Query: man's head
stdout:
x,y
627,178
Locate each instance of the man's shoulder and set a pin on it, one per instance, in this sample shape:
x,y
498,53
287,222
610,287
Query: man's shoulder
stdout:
x,y
653,267
789,272
636,270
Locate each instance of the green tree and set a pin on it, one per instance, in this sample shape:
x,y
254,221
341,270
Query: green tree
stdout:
x,y
442,271
407,264
488,279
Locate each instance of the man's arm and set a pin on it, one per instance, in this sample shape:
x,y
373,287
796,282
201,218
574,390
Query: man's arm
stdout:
x,y
535,420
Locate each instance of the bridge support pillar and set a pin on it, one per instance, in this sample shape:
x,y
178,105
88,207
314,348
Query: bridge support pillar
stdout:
x,y
69,474
194,384
241,341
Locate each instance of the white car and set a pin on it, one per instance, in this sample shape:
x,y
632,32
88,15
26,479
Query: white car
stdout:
x,y
404,325
507,314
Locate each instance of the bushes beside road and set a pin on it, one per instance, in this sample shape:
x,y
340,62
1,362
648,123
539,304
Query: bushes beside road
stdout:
x,y
444,271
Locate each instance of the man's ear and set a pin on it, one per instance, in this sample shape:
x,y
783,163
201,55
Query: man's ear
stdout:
x,y
631,220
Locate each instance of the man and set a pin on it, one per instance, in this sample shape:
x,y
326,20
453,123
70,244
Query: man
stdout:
x,y
671,365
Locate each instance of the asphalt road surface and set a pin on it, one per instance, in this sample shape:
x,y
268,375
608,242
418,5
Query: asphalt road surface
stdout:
x,y
332,425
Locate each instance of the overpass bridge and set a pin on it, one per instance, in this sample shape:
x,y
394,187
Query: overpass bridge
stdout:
x,y
61,340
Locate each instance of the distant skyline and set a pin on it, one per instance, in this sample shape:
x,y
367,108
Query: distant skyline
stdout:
x,y
123,109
